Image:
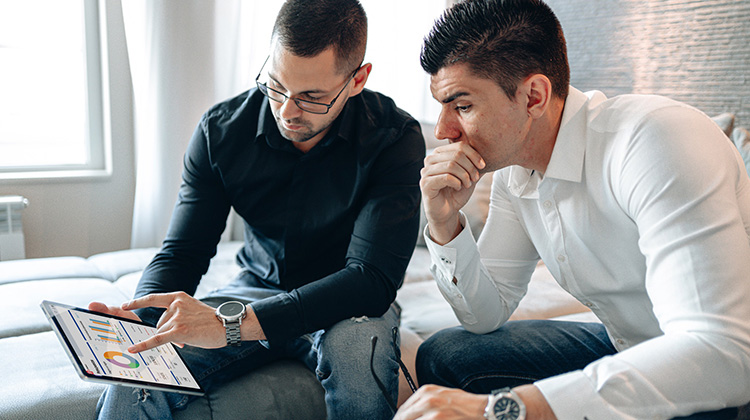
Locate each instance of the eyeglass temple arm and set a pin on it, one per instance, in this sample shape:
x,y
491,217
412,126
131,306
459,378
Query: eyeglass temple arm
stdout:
x,y
383,391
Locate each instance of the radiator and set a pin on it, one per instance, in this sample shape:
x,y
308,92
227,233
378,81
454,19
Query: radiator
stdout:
x,y
11,227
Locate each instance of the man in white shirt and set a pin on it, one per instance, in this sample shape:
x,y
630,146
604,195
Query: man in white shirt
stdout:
x,y
638,205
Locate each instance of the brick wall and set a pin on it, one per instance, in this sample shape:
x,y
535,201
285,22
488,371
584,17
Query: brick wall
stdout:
x,y
695,51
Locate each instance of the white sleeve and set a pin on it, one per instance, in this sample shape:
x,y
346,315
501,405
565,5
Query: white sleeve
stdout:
x,y
487,289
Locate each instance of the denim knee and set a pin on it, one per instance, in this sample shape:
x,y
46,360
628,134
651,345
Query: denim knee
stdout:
x,y
344,352
433,357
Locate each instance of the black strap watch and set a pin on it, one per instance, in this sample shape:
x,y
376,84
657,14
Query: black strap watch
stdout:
x,y
504,404
231,315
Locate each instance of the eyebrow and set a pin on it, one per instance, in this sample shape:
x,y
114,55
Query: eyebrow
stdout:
x,y
307,92
454,97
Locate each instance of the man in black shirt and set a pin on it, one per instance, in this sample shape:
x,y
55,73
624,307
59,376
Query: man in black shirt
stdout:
x,y
325,175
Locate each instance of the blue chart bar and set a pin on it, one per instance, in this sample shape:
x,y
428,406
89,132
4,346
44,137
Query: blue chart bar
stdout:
x,y
104,330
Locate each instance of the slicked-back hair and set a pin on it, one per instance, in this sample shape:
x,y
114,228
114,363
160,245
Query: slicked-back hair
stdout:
x,y
501,40
308,27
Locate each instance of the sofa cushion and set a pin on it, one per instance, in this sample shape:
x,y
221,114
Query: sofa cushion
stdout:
x,y
47,268
741,139
19,302
39,382
425,311
114,265
222,270
725,121
51,388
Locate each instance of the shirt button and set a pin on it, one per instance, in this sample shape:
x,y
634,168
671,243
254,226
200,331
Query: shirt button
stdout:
x,y
589,304
547,204
561,258
445,260
620,341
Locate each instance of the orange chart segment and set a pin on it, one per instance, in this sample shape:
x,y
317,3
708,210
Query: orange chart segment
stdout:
x,y
122,360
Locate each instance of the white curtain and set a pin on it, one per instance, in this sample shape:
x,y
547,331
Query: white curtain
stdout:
x,y
188,55
395,35
176,50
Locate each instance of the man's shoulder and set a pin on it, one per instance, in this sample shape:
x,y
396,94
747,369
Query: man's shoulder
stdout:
x,y
241,108
378,122
631,110
382,111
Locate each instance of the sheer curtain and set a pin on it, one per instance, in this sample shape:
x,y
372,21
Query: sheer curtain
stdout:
x,y
177,50
186,56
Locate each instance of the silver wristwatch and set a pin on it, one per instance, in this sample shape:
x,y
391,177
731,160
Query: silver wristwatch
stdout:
x,y
504,404
231,315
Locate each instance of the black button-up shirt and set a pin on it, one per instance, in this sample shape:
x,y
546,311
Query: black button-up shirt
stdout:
x,y
333,228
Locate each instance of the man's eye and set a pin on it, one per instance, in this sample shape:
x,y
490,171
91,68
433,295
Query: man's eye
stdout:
x,y
463,108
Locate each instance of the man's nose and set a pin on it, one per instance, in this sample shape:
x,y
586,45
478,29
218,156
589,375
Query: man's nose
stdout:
x,y
289,110
447,129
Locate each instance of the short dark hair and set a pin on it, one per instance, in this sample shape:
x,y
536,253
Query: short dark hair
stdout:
x,y
308,27
501,40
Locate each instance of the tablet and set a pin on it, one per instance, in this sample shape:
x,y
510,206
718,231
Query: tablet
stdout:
x,y
97,345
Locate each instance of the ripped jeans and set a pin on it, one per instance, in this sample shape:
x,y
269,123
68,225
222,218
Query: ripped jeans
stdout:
x,y
339,356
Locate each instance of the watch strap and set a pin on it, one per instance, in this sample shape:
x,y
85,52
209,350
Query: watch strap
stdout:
x,y
233,333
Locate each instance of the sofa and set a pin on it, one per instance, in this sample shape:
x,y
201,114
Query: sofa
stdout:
x,y
38,381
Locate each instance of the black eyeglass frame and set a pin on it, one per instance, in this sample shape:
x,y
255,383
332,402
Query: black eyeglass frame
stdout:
x,y
263,87
383,390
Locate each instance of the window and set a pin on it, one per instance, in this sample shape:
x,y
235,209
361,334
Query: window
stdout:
x,y
51,119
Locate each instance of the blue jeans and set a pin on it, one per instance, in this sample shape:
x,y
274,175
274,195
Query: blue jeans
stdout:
x,y
519,352
339,356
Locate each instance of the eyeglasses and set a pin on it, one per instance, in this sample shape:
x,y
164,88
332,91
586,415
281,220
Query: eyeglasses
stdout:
x,y
409,380
307,106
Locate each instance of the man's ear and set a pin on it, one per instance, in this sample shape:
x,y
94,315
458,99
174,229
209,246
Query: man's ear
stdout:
x,y
538,89
360,78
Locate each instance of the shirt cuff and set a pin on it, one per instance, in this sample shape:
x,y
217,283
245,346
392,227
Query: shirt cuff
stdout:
x,y
573,396
444,256
457,256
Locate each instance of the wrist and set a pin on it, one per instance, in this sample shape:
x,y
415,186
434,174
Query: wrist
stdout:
x,y
250,328
537,407
443,232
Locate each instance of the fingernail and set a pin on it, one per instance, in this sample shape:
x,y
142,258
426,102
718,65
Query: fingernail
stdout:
x,y
481,163
131,349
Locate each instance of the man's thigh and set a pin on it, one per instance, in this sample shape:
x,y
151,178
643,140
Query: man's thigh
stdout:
x,y
519,352
344,359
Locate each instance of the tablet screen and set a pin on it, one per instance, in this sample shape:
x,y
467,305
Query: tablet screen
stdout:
x,y
98,345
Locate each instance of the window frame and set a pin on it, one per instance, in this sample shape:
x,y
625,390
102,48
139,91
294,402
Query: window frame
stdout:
x,y
98,140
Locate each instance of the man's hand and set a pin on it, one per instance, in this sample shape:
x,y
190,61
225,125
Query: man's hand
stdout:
x,y
187,320
433,402
112,310
448,179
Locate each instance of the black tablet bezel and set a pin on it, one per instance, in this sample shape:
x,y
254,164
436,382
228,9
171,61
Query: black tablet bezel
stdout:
x,y
81,370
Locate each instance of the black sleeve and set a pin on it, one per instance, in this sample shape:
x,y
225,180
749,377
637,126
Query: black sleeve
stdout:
x,y
195,229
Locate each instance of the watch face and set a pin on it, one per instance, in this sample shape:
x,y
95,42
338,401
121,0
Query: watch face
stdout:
x,y
506,409
231,309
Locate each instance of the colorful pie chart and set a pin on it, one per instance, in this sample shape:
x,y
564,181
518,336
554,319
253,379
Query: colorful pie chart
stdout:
x,y
122,360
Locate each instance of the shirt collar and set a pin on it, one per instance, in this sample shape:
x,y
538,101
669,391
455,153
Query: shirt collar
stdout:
x,y
343,127
566,162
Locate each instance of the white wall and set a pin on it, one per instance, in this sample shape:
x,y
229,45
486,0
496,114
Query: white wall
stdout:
x,y
87,216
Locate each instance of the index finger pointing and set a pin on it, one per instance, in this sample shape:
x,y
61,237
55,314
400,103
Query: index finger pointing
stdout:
x,y
157,300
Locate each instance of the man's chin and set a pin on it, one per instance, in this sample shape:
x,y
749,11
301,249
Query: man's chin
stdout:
x,y
294,135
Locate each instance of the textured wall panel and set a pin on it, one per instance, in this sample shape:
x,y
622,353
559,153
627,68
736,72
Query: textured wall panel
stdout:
x,y
696,51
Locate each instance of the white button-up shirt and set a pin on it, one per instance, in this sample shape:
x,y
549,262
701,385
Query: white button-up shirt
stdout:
x,y
643,215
